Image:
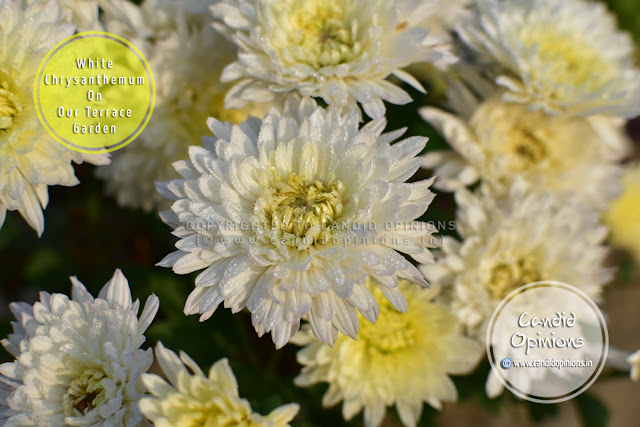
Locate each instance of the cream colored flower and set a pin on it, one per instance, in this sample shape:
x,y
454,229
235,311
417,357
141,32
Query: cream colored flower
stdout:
x,y
502,141
193,399
403,359
513,241
289,215
623,216
30,160
339,50
83,14
634,361
78,361
561,56
187,56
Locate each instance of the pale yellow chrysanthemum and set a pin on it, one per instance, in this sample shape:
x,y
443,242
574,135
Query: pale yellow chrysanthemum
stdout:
x,y
561,56
30,160
503,141
623,217
194,399
403,359
187,56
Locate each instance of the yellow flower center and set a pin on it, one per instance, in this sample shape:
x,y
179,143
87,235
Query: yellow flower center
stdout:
x,y
9,105
567,59
301,210
85,393
393,331
513,132
505,277
318,32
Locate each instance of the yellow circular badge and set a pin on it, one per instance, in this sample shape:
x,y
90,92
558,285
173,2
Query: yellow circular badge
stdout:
x,y
94,92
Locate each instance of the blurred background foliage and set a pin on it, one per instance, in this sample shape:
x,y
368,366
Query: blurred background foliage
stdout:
x,y
88,235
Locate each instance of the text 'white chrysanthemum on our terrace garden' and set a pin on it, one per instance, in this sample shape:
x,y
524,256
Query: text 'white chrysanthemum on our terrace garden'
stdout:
x,y
339,50
30,159
78,361
289,215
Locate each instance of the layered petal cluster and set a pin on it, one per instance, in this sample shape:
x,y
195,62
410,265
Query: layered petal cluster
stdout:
x,y
339,50
30,159
564,57
289,215
192,398
187,56
78,360
404,359
623,216
513,241
503,141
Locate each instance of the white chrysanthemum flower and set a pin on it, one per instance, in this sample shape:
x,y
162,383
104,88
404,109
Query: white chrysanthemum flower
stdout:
x,y
339,50
510,242
561,56
78,361
289,215
195,399
503,141
30,159
404,359
189,91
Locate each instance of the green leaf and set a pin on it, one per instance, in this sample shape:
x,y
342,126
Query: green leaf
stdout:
x,y
592,411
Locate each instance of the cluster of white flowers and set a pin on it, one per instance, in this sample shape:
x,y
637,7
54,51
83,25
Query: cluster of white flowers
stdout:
x,y
297,211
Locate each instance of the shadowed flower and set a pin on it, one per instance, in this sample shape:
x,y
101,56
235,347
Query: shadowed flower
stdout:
x,y
193,399
78,361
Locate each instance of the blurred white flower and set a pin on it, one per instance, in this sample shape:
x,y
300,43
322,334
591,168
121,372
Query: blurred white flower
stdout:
x,y
339,50
30,159
289,215
503,141
194,399
78,361
561,56
404,359
634,361
513,241
83,14
187,56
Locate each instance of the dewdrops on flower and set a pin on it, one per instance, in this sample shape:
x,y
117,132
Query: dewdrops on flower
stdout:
x,y
30,159
289,215
623,217
187,56
339,50
513,241
402,360
192,398
564,57
502,141
78,361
